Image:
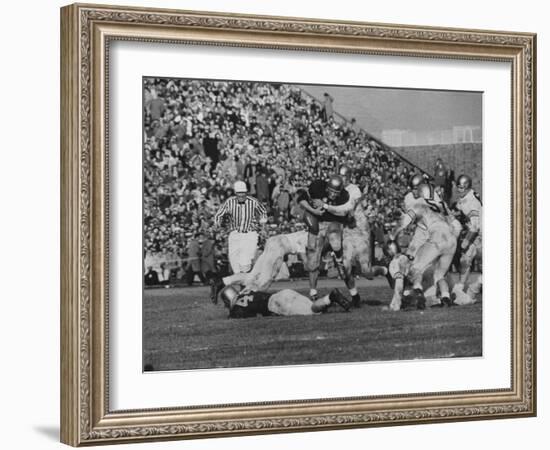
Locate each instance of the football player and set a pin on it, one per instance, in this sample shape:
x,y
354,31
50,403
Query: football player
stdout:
x,y
425,193
267,266
437,249
323,225
469,205
356,239
244,304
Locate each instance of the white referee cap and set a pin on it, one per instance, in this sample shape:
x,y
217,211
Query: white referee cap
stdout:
x,y
240,186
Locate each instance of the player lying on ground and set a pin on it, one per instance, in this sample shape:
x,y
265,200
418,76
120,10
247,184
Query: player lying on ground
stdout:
x,y
437,250
267,266
244,304
469,207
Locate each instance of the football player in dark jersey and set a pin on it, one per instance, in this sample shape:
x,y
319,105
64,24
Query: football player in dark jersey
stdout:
x,y
323,225
244,304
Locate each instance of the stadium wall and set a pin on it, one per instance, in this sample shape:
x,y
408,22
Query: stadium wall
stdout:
x,y
462,158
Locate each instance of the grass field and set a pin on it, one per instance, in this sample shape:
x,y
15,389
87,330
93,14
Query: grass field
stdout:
x,y
184,330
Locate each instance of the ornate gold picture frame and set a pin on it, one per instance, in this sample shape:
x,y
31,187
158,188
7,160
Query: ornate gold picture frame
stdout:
x,y
87,31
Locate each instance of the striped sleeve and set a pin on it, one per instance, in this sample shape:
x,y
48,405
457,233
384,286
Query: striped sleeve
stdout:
x,y
221,212
262,212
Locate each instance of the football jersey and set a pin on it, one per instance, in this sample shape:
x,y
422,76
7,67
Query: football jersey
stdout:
x,y
353,191
470,206
318,190
425,214
250,305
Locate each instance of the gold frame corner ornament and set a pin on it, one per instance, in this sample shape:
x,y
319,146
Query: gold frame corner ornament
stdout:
x,y
86,31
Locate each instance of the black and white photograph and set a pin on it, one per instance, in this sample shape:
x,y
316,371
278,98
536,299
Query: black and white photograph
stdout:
x,y
289,224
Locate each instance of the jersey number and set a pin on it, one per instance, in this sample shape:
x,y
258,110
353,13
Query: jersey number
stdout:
x,y
244,300
440,208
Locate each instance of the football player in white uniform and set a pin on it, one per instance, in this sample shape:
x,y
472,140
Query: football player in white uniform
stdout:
x,y
267,266
469,206
438,249
245,304
427,195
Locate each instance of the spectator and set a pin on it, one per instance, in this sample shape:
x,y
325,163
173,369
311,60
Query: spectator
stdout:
x,y
194,260
328,108
262,187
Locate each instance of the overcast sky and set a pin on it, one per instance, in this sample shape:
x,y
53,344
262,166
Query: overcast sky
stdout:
x,y
378,109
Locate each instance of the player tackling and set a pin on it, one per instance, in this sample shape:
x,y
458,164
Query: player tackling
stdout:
x,y
267,265
438,248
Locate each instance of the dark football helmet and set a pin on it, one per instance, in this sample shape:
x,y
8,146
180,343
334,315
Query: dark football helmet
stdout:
x,y
229,295
463,184
335,186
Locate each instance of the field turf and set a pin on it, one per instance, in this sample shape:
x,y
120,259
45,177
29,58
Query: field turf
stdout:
x,y
182,329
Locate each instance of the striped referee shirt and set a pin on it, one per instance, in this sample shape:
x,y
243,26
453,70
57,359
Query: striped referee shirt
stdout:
x,y
243,217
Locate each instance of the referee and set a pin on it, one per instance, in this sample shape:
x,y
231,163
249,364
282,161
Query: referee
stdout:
x,y
244,213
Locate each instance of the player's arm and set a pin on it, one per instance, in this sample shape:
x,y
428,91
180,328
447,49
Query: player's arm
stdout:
x,y
398,288
406,220
473,230
341,210
397,270
303,201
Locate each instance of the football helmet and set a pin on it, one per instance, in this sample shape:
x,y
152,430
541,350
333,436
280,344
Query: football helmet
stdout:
x,y
229,295
463,184
415,180
335,186
425,190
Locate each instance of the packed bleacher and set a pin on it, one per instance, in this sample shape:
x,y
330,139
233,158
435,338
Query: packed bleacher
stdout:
x,y
201,136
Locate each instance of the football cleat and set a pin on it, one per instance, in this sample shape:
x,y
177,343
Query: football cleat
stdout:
x,y
337,297
356,301
446,301
419,298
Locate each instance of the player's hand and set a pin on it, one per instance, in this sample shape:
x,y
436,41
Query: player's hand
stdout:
x,y
317,211
464,245
317,203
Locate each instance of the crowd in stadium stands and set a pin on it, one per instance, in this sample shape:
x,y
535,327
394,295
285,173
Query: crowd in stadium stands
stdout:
x,y
201,136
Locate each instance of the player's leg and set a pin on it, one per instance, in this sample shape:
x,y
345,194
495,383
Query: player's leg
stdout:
x,y
351,241
334,233
419,237
290,303
441,268
314,250
426,255
466,260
